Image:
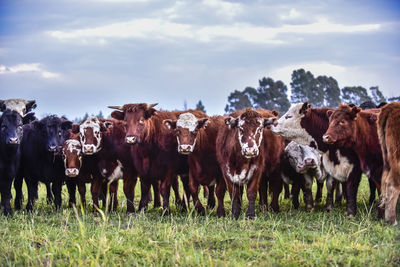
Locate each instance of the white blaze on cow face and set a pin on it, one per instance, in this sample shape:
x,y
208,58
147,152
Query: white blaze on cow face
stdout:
x,y
249,140
90,135
71,151
186,127
290,128
243,177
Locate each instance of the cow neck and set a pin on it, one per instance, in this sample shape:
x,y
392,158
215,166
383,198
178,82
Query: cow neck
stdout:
x,y
316,123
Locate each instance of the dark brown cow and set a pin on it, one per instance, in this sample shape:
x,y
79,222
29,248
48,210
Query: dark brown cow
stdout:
x,y
196,136
389,136
306,125
241,150
153,148
352,128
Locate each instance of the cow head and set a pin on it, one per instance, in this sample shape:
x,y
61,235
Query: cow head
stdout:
x,y
90,135
11,126
250,125
342,125
137,120
186,129
54,130
72,156
301,157
22,106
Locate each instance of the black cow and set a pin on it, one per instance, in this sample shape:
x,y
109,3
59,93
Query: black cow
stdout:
x,y
11,132
41,157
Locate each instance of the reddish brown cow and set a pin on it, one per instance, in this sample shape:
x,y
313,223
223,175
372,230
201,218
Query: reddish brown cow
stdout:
x,y
346,126
153,148
196,136
241,150
389,136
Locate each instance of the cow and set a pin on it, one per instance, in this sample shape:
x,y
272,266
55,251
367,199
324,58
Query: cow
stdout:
x,y
41,157
306,126
196,135
11,134
346,126
153,149
242,149
307,162
22,106
388,132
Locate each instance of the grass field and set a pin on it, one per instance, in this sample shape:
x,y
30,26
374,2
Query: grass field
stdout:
x,y
81,238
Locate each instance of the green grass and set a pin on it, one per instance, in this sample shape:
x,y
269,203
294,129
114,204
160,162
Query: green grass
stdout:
x,y
82,238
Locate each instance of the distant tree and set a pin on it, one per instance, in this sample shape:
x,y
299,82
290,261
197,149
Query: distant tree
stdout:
x,y
185,105
331,90
355,95
394,99
304,88
100,115
272,95
237,100
200,106
377,95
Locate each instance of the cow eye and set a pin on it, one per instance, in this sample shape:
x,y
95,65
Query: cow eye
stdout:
x,y
83,138
3,128
141,121
342,121
59,133
288,116
20,127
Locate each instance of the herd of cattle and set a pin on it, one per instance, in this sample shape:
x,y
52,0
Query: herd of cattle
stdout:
x,y
249,147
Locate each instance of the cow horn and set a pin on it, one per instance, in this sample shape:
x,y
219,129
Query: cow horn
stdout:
x,y
152,105
116,107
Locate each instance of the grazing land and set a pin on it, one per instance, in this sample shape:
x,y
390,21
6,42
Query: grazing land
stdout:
x,y
80,237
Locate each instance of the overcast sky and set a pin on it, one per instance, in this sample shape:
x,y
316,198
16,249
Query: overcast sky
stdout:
x,y
77,56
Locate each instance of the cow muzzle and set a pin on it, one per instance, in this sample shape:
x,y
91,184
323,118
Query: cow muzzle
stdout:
x,y
52,148
301,168
309,161
328,139
131,139
185,149
250,152
71,172
89,149
13,141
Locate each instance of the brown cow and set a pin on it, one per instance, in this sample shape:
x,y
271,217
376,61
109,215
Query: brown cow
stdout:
x,y
352,128
153,148
196,136
389,136
241,153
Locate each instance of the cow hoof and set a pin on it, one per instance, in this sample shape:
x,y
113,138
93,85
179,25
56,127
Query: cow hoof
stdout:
x,y
201,211
328,208
250,215
8,213
220,213
309,207
350,216
166,212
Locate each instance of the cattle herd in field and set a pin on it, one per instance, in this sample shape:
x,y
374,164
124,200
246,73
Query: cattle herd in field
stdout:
x,y
252,150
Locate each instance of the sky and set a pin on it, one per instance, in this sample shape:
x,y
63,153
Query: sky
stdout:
x,y
78,56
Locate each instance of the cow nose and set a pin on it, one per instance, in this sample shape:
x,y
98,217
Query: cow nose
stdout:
x,y
14,140
88,149
300,167
309,161
185,149
326,139
250,152
52,148
131,139
71,172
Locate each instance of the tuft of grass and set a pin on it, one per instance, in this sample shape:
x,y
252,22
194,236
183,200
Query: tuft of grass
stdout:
x,y
81,236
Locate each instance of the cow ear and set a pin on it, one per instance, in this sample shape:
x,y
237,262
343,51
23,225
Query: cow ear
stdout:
x,y
354,111
150,112
2,106
275,113
75,128
118,115
170,124
329,113
268,122
28,118
202,123
304,108
38,125
231,122
30,105
104,125
66,125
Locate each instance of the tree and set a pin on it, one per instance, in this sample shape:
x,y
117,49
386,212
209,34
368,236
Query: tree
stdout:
x,y
355,95
100,115
200,106
331,90
237,100
394,99
377,95
272,95
304,88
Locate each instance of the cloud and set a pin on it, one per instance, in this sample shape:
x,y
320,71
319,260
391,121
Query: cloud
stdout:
x,y
223,8
293,14
28,67
151,28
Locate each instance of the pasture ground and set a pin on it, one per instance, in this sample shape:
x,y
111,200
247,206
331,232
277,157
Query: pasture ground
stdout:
x,y
79,237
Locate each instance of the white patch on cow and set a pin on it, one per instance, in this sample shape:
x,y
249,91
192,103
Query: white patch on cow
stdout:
x,y
340,171
187,120
289,126
19,105
94,123
243,177
73,146
245,145
117,173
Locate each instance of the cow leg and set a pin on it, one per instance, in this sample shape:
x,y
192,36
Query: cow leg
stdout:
x,y
330,185
32,188
49,194
129,190
96,190
263,193
338,193
352,184
144,198
307,191
252,189
194,191
235,192
372,190
220,192
113,191
19,196
295,194
211,196
318,196
56,187
82,193
71,186
186,191
205,191
166,191
6,196
156,192
390,194
286,190
276,188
